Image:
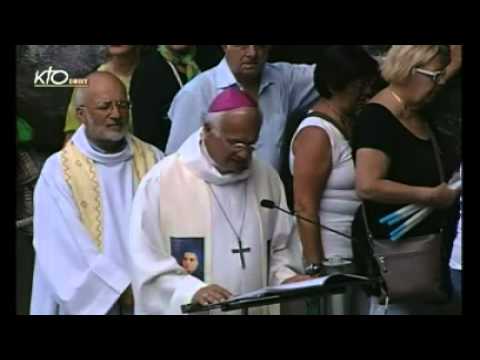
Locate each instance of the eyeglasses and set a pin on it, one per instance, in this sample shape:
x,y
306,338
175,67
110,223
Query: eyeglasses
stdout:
x,y
107,106
236,146
239,146
436,76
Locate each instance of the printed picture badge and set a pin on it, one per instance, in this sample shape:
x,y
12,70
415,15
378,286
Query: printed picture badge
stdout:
x,y
190,254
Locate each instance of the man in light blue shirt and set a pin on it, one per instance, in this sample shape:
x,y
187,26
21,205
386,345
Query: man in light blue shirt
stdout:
x,y
280,89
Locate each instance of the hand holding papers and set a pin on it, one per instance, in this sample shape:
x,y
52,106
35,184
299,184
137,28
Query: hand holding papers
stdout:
x,y
417,213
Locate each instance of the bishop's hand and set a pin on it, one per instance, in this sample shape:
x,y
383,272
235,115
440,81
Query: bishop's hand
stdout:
x,y
211,294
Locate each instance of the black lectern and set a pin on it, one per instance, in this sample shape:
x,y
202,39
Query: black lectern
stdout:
x,y
326,285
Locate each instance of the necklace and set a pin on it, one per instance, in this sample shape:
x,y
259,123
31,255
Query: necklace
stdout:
x,y
404,112
241,250
398,98
407,115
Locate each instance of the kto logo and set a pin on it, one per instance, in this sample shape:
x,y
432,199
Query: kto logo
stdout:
x,y
57,78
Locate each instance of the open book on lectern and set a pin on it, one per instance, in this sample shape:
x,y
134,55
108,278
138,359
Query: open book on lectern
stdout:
x,y
333,279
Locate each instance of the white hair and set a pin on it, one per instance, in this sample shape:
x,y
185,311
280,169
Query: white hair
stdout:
x,y
79,97
215,119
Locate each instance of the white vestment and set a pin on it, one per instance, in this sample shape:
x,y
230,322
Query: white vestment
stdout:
x,y
175,202
71,276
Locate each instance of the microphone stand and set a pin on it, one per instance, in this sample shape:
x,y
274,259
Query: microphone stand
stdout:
x,y
271,205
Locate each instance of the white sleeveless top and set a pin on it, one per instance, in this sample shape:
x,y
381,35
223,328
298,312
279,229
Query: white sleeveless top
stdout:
x,y
339,200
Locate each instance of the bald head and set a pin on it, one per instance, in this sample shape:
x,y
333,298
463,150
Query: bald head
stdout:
x,y
98,82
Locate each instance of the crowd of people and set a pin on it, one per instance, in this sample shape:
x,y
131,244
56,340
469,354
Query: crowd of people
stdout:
x,y
154,201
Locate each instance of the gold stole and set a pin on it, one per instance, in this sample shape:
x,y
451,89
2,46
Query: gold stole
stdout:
x,y
81,176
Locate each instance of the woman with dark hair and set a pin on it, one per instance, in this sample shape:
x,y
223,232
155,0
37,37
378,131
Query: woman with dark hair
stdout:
x,y
322,165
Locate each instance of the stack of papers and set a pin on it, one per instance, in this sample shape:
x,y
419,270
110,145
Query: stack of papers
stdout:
x,y
317,282
414,213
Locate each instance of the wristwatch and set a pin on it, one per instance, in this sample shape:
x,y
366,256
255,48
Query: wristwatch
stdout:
x,y
314,269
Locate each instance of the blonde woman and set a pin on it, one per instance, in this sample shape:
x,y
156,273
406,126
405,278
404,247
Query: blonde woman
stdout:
x,y
393,148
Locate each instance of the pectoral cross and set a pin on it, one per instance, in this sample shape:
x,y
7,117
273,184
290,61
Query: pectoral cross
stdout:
x,y
241,251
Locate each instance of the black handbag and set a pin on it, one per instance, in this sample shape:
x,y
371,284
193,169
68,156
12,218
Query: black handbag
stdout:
x,y
410,268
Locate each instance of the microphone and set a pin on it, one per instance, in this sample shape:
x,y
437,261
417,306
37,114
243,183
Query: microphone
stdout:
x,y
269,204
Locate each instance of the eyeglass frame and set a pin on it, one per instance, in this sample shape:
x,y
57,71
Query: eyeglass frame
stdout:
x,y
122,105
434,75
236,146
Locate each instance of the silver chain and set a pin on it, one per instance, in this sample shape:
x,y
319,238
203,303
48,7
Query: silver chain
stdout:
x,y
238,236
